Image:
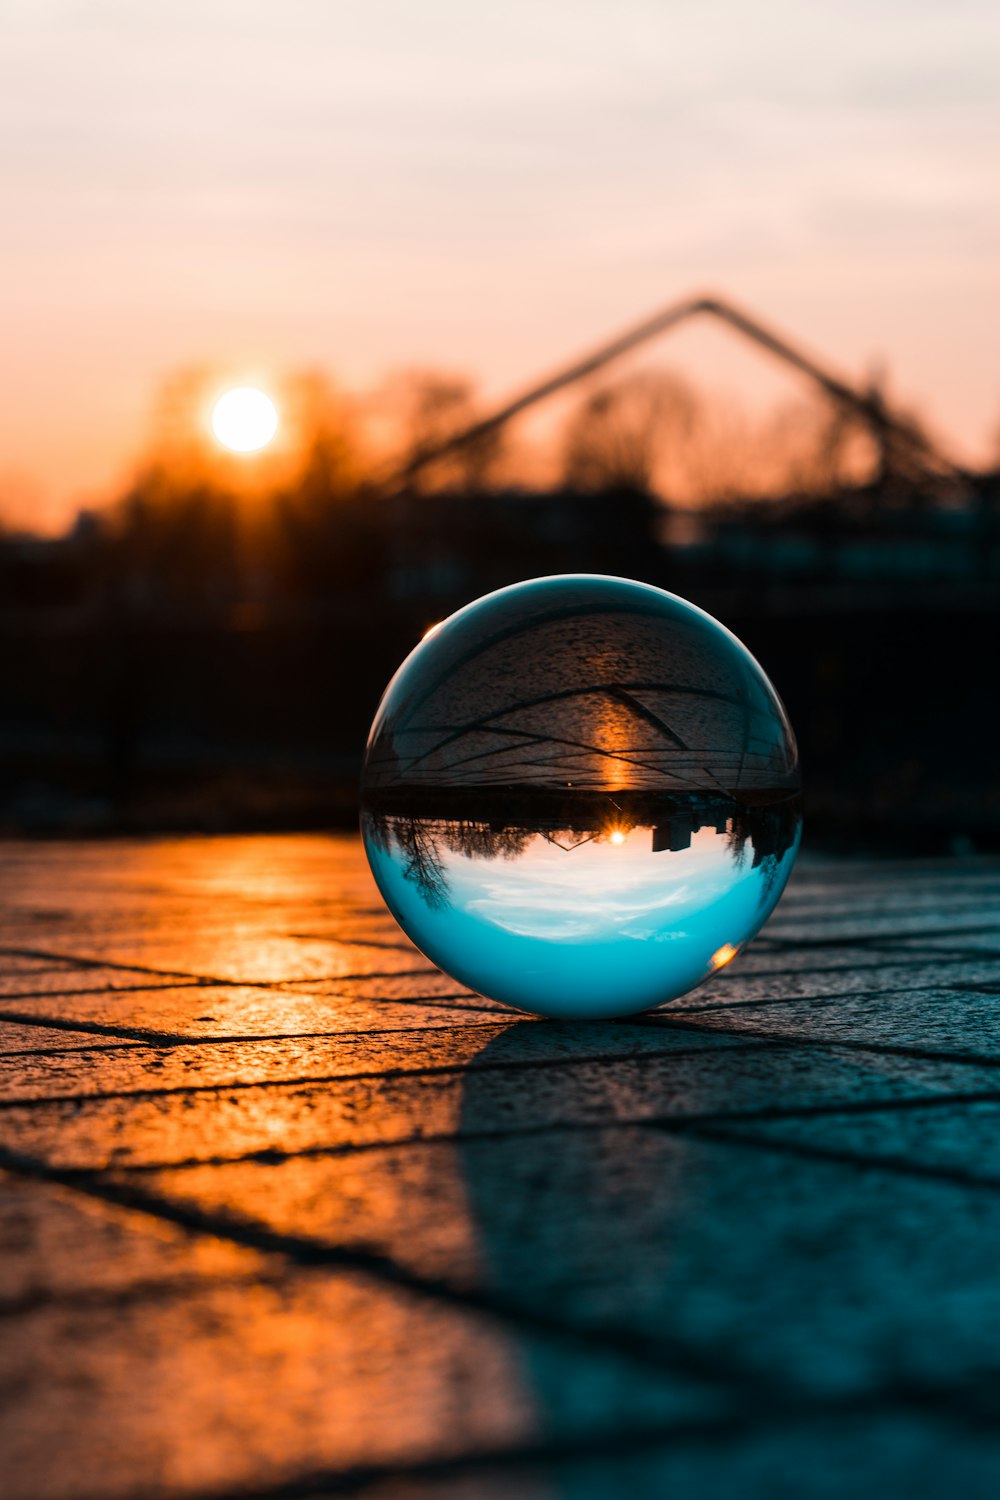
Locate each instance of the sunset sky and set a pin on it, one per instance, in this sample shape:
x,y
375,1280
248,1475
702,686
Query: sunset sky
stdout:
x,y
491,188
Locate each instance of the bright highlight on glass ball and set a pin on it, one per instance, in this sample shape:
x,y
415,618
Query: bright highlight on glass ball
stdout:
x,y
580,796
244,419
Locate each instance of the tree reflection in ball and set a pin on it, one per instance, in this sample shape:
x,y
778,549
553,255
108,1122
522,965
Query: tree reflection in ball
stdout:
x,y
580,796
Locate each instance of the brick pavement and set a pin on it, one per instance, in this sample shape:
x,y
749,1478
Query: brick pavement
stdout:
x,y
286,1213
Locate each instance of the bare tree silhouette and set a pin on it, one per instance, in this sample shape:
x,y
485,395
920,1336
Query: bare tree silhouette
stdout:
x,y
424,407
618,436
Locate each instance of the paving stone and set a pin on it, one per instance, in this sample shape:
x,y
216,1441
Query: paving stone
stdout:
x,y
898,940
367,1052
90,1134
251,1385
431,985
17,1040
808,1274
70,979
214,1011
942,1021
245,956
982,944
17,963
908,1455
806,983
153,909
56,1242
328,1223
843,899
957,1141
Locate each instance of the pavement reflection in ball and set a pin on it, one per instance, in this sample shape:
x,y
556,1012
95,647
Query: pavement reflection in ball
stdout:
x,y
580,796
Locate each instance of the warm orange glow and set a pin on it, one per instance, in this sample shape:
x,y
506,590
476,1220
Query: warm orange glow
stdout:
x,y
723,955
244,419
432,629
616,836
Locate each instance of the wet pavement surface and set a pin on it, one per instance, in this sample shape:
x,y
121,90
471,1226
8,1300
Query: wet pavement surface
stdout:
x,y
285,1212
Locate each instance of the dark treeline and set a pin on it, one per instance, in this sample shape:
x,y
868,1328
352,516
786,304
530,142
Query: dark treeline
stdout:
x,y
208,650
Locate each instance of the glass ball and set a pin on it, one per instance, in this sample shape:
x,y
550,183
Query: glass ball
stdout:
x,y
580,796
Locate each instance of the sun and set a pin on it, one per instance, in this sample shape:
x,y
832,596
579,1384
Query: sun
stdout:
x,y
244,419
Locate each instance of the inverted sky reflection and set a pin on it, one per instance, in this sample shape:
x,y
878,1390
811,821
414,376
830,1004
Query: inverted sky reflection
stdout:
x,y
600,889
597,929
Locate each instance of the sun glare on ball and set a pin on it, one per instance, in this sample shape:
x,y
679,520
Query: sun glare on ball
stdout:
x,y
244,419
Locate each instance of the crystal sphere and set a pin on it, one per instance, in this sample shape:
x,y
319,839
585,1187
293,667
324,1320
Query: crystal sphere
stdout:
x,y
580,796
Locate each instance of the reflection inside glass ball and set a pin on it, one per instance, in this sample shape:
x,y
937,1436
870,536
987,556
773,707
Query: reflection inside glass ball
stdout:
x,y
580,796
